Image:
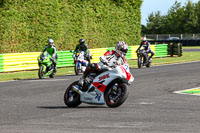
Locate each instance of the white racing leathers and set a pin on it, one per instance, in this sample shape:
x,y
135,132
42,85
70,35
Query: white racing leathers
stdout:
x,y
110,60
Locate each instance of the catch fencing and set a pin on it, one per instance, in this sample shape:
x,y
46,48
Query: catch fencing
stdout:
x,y
28,61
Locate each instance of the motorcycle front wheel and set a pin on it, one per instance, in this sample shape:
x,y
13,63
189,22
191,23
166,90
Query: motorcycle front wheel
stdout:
x,y
76,69
115,97
71,97
140,62
40,72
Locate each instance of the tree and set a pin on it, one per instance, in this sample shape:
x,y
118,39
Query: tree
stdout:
x,y
197,11
155,23
179,19
191,19
174,18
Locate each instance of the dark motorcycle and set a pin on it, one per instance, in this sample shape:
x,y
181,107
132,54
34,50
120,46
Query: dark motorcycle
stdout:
x,y
143,58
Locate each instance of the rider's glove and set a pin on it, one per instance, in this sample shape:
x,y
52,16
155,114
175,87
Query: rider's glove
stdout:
x,y
116,63
52,60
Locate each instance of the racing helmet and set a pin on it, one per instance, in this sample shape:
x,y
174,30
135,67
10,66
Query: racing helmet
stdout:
x,y
144,40
50,42
121,48
82,41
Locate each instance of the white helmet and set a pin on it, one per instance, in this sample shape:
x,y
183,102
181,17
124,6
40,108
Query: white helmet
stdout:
x,y
121,48
144,39
50,42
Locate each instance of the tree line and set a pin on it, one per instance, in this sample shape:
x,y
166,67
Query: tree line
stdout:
x,y
179,20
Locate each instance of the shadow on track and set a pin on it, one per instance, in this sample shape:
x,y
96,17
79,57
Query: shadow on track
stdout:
x,y
65,107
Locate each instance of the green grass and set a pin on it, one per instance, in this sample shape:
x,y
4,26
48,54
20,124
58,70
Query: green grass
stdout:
x,y
32,74
191,47
187,57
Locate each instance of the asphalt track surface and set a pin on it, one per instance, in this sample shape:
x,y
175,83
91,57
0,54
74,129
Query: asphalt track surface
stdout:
x,y
37,106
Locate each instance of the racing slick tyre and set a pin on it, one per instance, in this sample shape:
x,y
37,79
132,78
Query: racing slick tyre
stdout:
x,y
41,73
52,75
115,97
148,63
71,97
76,69
140,62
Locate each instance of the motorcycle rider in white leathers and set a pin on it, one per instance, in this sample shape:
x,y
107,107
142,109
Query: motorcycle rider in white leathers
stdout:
x,y
108,60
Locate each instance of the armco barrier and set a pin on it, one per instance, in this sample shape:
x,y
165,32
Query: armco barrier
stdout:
x,y
28,61
1,63
161,50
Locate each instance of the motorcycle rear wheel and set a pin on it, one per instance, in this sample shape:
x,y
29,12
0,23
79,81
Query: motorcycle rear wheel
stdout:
x,y
113,98
148,64
71,97
51,75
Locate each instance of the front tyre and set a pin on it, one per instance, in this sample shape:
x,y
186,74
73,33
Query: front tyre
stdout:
x,y
72,98
76,68
115,97
41,72
140,62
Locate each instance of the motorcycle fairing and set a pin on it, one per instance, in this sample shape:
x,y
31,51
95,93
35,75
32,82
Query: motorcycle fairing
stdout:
x,y
95,97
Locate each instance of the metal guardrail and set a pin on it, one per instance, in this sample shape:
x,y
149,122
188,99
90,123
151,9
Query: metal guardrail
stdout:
x,y
28,61
185,42
168,36
185,39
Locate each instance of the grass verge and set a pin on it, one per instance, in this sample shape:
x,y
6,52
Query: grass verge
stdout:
x,y
191,47
187,57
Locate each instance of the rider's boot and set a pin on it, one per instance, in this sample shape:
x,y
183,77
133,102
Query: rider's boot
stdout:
x,y
150,59
81,82
54,68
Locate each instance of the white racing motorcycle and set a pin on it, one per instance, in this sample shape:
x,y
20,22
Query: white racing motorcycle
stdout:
x,y
109,87
80,62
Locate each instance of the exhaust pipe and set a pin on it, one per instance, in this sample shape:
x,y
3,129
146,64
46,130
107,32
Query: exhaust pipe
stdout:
x,y
77,89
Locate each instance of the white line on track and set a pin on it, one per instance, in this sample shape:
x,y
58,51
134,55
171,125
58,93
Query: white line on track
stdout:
x,y
7,81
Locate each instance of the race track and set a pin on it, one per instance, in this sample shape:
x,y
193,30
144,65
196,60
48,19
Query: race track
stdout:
x,y
37,106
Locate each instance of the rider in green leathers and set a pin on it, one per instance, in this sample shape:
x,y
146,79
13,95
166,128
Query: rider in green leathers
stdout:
x,y
51,49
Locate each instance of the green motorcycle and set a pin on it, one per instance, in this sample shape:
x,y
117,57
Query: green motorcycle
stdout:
x,y
45,66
